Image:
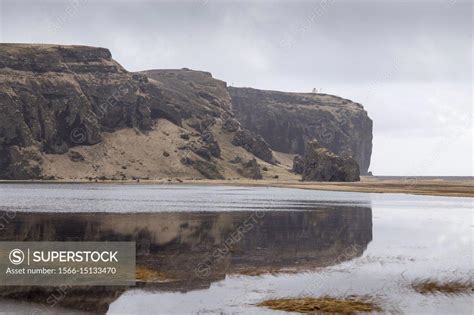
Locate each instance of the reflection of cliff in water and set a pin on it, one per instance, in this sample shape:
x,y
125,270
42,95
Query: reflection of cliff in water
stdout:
x,y
192,250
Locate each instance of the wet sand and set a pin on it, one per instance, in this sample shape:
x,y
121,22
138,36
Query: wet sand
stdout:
x,y
415,186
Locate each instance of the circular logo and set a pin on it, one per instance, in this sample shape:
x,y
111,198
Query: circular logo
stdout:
x,y
78,135
202,270
285,43
326,135
37,311
16,256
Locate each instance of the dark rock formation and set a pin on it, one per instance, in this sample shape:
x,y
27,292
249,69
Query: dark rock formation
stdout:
x,y
288,120
230,124
205,168
320,164
192,93
48,91
254,144
298,164
236,160
250,169
75,156
54,98
205,102
57,97
24,163
211,144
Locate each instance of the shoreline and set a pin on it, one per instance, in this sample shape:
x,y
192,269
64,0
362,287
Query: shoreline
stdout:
x,y
413,186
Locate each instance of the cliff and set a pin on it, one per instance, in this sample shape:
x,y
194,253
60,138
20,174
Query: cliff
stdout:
x,y
205,102
72,112
56,97
321,165
287,121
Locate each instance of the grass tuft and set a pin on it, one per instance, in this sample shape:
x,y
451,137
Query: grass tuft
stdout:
x,y
449,287
263,272
149,275
326,304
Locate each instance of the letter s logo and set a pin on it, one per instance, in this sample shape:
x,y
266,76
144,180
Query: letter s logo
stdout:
x,y
16,256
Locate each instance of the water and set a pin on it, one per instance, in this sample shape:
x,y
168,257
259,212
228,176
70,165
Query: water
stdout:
x,y
292,242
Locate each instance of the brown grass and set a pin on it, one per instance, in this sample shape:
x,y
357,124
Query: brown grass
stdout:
x,y
275,272
449,287
440,187
149,275
444,187
348,305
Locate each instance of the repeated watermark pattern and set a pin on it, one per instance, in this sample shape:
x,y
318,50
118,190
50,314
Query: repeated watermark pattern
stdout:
x,y
60,292
6,217
348,253
325,133
78,135
72,7
373,86
203,269
111,101
320,9
452,133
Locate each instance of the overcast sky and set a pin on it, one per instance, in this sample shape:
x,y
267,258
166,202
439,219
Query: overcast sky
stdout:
x,y
409,63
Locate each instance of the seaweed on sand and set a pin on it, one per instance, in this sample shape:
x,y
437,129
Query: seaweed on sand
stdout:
x,y
149,275
448,287
325,304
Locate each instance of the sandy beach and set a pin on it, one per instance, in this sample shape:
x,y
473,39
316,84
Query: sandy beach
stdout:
x,y
416,186
449,187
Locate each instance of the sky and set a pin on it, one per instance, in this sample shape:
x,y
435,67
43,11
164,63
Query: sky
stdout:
x,y
409,63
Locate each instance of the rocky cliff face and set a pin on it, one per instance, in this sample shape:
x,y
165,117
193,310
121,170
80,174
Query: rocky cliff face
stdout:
x,y
205,102
287,121
320,164
47,91
55,98
72,112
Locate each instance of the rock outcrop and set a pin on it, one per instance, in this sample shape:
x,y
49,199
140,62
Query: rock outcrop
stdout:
x,y
288,120
204,104
73,112
320,164
298,164
253,143
250,169
54,98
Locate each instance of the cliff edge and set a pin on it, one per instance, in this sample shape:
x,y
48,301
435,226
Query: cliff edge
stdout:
x,y
73,112
287,121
